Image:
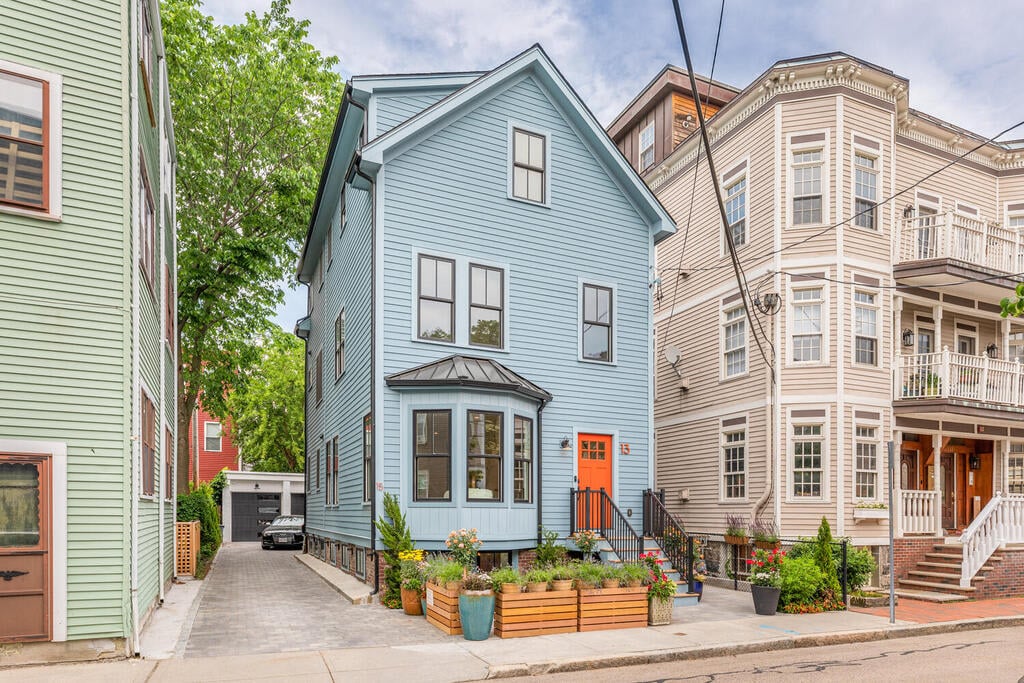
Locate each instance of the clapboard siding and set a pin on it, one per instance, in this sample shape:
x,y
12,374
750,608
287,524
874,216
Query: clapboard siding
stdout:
x,y
394,109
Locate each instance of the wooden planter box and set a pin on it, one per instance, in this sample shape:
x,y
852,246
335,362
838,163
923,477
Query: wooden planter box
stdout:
x,y
602,609
443,609
535,614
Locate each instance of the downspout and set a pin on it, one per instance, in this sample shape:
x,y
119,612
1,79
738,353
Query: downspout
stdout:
x,y
540,468
769,458
164,278
133,269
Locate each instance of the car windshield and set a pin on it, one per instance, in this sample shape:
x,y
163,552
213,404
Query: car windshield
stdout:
x,y
288,521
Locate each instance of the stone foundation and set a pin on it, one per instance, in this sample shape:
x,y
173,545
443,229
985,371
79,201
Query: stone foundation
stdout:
x,y
92,650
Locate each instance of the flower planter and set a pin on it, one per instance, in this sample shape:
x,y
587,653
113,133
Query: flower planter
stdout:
x,y
602,609
767,545
411,602
561,585
423,607
698,588
517,615
735,540
476,614
511,588
877,514
659,611
610,583
443,609
766,599
537,587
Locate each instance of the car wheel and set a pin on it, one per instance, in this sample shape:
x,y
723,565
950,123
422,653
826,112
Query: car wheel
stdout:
x,y
266,547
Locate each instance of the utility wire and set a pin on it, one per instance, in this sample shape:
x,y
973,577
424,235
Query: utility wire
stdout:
x,y
965,281
740,280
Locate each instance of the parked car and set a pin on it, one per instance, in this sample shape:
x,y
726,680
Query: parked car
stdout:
x,y
284,531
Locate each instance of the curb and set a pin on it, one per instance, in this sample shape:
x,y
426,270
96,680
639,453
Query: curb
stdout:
x,y
366,599
727,649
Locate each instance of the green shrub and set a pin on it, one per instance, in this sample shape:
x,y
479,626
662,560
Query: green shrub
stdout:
x,y
217,485
634,572
549,553
801,581
199,505
504,575
825,558
589,574
448,571
860,564
563,572
538,575
396,537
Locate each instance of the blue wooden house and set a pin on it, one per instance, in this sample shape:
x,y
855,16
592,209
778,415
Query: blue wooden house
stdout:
x,y
479,330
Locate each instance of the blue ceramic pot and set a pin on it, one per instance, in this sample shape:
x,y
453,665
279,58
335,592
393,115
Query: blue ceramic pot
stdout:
x,y
423,607
476,611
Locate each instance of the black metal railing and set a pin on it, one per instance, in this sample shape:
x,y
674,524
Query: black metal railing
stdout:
x,y
669,534
594,510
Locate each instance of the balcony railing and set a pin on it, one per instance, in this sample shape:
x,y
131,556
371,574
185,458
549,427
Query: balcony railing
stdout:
x,y
919,512
959,376
953,236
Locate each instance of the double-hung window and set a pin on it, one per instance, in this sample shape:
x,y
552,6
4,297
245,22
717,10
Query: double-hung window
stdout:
x,y
148,228
486,306
367,458
736,211
734,337
334,471
522,446
734,464
146,46
866,463
329,474
168,465
212,436
529,159
1015,221
807,324
148,439
432,454
339,345
865,327
865,191
436,299
24,141
1015,469
319,376
597,323
647,146
807,193
484,440
808,468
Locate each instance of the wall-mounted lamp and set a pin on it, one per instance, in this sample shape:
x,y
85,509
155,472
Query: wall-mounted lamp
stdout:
x,y
566,443
992,350
908,337
908,211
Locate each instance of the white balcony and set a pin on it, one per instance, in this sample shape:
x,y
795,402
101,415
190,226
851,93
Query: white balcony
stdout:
x,y
960,238
958,376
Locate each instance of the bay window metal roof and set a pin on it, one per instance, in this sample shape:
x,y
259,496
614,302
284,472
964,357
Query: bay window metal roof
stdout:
x,y
467,371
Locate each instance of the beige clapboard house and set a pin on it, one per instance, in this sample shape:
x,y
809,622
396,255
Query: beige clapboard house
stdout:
x,y
888,325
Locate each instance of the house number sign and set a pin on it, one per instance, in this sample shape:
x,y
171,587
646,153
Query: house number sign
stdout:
x,y
624,448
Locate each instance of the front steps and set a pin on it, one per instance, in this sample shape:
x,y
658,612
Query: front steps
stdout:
x,y
682,598
936,578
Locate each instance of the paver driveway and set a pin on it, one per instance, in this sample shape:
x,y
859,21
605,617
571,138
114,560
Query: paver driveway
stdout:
x,y
259,601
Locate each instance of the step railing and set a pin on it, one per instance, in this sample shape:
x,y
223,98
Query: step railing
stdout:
x,y
999,523
919,512
669,534
594,510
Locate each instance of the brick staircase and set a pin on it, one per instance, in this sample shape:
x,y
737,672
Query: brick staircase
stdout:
x,y
937,576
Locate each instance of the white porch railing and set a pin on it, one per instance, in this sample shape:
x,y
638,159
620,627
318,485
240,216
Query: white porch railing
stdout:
x,y
919,512
957,375
1001,522
951,235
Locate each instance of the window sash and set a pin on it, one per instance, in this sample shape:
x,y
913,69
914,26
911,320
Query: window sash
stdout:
x,y
807,325
434,293
442,456
148,437
339,345
529,154
866,463
734,464
807,461
215,437
736,211
1015,474
865,328
486,457
597,323
485,304
522,466
647,146
148,228
808,171
26,147
734,333
367,458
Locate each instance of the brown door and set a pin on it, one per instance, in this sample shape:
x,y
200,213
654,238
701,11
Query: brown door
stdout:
x,y
594,468
908,471
948,474
24,548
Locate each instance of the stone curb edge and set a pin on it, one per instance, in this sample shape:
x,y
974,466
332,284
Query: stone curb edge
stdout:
x,y
707,652
326,579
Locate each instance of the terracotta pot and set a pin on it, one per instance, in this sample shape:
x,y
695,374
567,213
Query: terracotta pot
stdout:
x,y
511,588
561,585
634,583
610,583
411,602
536,587
766,545
736,540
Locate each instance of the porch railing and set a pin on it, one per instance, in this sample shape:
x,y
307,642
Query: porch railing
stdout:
x,y
919,512
951,235
669,533
957,375
1001,522
594,510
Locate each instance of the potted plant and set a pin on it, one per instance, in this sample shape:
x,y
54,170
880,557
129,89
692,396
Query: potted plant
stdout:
x,y
537,580
412,581
449,574
633,575
464,547
764,533
506,580
588,575
586,541
766,580
661,590
476,606
611,576
561,577
442,593
876,511
735,530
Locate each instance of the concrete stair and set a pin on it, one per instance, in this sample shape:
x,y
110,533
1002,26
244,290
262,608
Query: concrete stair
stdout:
x,y
683,597
937,577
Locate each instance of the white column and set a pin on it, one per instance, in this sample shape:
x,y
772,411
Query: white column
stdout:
x,y
1004,346
286,497
937,480
937,317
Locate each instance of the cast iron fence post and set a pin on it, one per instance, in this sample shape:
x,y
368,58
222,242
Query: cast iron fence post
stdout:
x,y
844,572
572,511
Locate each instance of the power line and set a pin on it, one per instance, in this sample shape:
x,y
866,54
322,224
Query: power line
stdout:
x,y
958,283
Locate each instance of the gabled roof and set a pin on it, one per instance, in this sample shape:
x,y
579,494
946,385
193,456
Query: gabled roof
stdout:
x,y
467,371
536,62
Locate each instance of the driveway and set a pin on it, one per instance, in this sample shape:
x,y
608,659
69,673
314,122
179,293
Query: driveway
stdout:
x,y
263,601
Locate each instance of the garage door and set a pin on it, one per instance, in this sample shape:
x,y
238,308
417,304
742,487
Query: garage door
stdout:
x,y
250,512
298,503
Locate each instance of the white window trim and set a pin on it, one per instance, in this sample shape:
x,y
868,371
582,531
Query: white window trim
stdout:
x,y
722,431
876,154
919,202
640,150
957,333
510,163
155,496
55,133
340,347
826,451
959,207
462,263
725,182
596,282
791,149
826,315
919,325
879,455
1007,214
206,427
867,289
723,375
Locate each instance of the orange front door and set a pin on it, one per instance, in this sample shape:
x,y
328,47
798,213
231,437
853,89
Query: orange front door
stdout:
x,y
24,548
594,471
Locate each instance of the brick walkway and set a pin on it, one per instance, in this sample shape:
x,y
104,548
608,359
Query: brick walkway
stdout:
x,y
263,601
921,612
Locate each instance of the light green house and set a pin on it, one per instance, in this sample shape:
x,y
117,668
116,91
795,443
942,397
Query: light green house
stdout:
x,y
87,335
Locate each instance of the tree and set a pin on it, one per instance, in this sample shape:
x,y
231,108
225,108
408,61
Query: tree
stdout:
x,y
267,421
253,105
1014,306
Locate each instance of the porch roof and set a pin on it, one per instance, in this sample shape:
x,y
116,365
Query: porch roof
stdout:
x,y
467,371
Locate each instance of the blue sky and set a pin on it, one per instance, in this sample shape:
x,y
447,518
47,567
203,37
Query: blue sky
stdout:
x,y
965,60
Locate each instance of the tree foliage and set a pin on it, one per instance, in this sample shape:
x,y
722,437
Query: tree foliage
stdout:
x,y
1014,306
396,536
253,105
267,422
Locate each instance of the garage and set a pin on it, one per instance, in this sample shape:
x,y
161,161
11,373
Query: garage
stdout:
x,y
298,504
251,501
250,512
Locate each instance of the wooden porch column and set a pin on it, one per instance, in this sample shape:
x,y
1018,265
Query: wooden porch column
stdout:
x,y
937,480
937,317
1004,346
